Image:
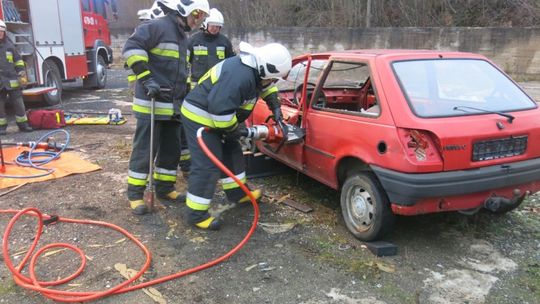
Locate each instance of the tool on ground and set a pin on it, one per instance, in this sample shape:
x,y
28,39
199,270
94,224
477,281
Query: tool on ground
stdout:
x,y
45,145
149,195
36,159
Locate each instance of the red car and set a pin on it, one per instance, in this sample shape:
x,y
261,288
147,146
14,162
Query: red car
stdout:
x,y
409,132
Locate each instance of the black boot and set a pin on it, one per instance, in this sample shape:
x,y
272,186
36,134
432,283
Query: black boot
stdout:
x,y
3,129
24,127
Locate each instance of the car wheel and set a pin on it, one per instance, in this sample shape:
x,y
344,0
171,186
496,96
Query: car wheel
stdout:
x,y
365,207
98,80
52,78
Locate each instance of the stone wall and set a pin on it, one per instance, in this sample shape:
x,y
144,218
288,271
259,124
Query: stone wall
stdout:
x,y
515,50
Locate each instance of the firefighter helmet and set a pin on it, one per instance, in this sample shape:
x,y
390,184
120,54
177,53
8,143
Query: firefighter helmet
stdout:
x,y
2,26
215,18
271,61
186,7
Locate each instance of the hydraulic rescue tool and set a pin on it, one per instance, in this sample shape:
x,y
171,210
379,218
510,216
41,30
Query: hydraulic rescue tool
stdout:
x,y
272,132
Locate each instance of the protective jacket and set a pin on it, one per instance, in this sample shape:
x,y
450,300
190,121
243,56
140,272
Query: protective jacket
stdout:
x,y
158,49
205,50
226,95
10,64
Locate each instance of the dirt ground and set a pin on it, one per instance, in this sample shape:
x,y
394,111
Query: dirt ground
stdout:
x,y
294,257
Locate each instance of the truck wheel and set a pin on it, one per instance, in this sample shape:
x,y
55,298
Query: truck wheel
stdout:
x,y
52,78
98,80
365,207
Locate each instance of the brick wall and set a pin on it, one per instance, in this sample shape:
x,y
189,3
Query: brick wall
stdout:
x,y
515,50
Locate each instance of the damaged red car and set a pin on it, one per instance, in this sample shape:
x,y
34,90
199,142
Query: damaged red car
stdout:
x,y
408,132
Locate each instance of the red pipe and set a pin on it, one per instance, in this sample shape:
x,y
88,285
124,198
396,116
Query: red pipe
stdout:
x,y
34,284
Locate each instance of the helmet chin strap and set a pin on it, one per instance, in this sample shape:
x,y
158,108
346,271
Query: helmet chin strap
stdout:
x,y
182,22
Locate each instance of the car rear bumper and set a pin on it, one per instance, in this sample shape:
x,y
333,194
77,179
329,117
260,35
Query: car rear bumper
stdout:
x,y
407,189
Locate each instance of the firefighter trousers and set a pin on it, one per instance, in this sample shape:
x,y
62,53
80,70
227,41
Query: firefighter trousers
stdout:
x,y
15,97
166,154
204,175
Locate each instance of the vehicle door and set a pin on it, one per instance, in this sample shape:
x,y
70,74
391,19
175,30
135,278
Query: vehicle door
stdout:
x,y
341,119
295,93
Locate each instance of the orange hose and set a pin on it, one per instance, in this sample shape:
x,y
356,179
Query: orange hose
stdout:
x,y
34,284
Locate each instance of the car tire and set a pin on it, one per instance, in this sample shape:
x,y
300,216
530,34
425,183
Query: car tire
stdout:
x,y
52,78
365,207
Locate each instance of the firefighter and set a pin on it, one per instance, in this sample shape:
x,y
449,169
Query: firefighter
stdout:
x,y
156,52
12,75
206,48
223,98
209,46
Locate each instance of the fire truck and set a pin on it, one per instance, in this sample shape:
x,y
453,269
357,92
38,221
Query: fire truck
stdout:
x,y
60,41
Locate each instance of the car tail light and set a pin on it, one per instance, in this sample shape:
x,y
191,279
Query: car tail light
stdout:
x,y
421,146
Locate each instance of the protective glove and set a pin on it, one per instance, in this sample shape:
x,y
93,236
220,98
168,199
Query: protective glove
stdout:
x,y
23,78
151,87
236,134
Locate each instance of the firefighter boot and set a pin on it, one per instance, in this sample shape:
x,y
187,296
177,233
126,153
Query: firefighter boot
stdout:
x,y
257,193
3,129
138,207
24,127
203,220
172,197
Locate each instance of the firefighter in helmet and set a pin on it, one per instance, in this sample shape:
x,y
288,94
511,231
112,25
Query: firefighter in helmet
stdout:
x,y
156,52
223,98
209,46
12,76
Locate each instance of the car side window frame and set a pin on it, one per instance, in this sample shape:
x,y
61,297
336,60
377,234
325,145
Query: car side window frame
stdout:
x,y
319,92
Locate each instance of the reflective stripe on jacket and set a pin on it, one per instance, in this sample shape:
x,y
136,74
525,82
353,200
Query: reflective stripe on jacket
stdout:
x,y
225,95
205,50
10,64
162,46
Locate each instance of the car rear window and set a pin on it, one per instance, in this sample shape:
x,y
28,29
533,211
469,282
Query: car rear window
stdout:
x,y
455,87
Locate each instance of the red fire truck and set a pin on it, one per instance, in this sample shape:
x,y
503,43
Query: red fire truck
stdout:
x,y
60,40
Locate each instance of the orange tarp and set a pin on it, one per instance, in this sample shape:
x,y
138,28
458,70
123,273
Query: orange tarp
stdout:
x,y
68,163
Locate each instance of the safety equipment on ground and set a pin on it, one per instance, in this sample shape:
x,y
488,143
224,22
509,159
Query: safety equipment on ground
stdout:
x,y
151,87
272,61
138,207
2,25
215,18
185,8
46,119
115,115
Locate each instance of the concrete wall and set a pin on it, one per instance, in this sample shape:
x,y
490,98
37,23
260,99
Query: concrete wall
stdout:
x,y
515,50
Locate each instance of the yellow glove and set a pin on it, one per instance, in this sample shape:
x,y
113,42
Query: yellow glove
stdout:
x,y
23,78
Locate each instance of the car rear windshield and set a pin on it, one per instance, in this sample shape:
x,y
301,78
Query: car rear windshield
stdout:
x,y
455,87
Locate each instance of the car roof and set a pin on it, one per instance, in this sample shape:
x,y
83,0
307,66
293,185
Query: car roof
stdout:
x,y
397,52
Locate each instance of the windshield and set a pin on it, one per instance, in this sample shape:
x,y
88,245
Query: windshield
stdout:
x,y
439,87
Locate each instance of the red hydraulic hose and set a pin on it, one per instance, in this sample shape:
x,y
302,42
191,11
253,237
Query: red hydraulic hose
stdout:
x,y
31,282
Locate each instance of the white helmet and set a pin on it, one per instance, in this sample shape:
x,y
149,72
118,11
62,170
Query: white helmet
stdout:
x,y
271,61
215,18
2,26
186,7
144,14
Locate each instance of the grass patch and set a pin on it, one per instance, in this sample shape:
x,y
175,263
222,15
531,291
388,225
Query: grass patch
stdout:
x,y
7,287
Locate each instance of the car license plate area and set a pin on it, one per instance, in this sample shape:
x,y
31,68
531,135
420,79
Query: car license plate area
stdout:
x,y
499,148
